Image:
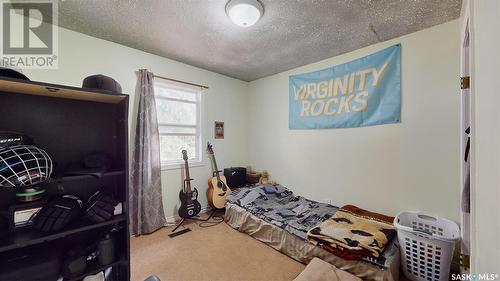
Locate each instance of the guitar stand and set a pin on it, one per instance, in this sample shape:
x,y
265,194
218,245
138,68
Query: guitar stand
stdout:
x,y
185,230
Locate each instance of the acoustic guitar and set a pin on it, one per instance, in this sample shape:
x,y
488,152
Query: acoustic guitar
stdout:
x,y
190,206
217,185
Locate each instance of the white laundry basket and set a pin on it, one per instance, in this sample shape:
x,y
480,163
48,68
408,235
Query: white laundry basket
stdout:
x,y
427,244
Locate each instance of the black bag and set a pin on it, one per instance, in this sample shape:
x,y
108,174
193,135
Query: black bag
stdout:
x,y
235,176
74,263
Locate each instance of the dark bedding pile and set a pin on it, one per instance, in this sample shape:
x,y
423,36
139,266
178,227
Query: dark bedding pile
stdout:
x,y
277,205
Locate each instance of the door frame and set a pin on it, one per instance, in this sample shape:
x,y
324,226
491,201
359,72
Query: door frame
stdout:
x,y
465,122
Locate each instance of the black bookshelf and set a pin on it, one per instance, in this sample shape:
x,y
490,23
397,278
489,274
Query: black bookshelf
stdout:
x,y
95,268
30,236
69,123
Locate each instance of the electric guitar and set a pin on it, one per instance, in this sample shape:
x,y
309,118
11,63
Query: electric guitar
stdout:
x,y
190,206
217,185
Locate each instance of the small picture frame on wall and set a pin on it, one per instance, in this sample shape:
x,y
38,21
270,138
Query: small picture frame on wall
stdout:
x,y
219,130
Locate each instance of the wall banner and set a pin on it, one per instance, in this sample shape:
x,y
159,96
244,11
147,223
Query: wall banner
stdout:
x,y
363,92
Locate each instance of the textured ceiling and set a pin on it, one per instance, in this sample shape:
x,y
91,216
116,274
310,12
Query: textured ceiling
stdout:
x,y
290,34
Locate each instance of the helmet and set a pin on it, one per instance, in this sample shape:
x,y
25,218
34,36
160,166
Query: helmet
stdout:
x,y
23,166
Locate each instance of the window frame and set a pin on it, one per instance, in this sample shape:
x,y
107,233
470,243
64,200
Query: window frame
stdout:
x,y
199,127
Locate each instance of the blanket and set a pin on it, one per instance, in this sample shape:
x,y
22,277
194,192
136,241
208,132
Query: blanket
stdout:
x,y
353,233
277,205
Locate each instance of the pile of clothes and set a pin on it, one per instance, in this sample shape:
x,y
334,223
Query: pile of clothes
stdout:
x,y
354,234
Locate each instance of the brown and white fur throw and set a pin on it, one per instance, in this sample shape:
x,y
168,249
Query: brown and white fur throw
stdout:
x,y
353,233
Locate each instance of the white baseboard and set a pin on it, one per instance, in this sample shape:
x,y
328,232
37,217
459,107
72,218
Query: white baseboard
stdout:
x,y
173,219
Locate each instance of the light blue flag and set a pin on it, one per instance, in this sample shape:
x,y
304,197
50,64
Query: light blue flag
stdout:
x,y
363,92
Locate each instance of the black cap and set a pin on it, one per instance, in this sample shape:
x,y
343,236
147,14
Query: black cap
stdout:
x,y
11,73
102,82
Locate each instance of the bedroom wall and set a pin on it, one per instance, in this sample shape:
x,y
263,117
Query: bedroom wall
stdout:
x,y
81,55
412,165
387,168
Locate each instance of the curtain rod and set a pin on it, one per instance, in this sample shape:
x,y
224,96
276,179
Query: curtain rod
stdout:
x,y
180,81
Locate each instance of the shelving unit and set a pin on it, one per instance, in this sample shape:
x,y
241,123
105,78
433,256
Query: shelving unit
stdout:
x,y
95,268
69,123
31,236
67,178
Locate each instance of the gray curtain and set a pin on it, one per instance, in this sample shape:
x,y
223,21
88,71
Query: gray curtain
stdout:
x,y
146,207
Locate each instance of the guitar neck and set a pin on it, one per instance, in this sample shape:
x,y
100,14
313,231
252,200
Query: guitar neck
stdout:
x,y
214,166
187,178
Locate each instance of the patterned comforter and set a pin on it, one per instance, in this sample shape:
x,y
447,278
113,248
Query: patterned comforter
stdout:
x,y
278,205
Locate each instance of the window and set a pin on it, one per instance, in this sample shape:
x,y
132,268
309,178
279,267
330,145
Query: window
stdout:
x,y
178,108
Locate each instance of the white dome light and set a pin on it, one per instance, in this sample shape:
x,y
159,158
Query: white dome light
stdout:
x,y
244,13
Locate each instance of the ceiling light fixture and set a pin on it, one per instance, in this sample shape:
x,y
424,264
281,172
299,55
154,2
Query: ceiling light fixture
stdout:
x,y
244,13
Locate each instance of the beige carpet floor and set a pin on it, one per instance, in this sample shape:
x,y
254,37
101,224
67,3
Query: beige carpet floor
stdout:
x,y
217,253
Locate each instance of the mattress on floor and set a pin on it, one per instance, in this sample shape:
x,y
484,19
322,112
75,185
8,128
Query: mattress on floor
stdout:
x,y
273,215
